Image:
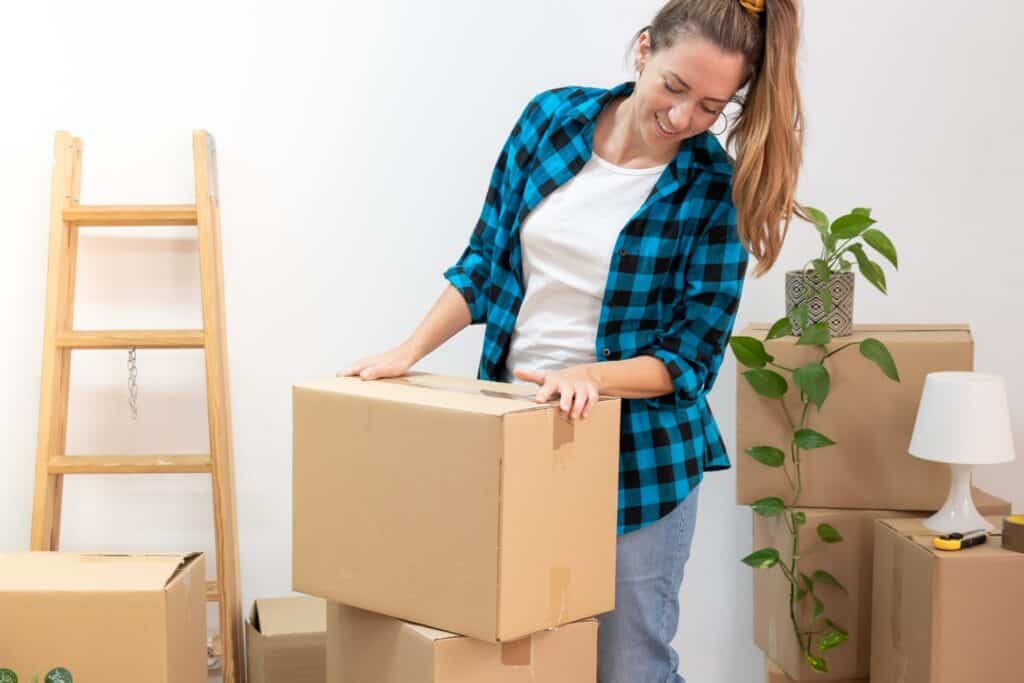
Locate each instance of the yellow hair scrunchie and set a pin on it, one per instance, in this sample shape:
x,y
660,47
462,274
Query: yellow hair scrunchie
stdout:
x,y
753,7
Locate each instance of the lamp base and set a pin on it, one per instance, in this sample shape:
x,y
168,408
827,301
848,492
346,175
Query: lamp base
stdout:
x,y
958,513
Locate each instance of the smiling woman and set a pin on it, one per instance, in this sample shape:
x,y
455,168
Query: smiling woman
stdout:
x,y
609,258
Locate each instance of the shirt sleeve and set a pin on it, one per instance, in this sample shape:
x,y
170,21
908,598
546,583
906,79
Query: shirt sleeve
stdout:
x,y
704,311
471,272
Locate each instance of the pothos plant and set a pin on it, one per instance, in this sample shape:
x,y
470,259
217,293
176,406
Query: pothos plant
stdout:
x,y
813,382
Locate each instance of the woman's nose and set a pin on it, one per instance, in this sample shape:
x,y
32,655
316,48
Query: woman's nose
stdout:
x,y
679,116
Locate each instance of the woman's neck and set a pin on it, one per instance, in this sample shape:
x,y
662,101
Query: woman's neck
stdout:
x,y
617,137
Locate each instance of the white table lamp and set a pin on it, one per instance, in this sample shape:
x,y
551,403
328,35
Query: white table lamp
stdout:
x,y
964,420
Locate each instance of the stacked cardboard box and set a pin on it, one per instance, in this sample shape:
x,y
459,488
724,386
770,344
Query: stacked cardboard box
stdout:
x,y
868,475
285,640
944,617
99,617
458,505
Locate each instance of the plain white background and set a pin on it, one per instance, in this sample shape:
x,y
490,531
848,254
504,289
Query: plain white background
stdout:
x,y
355,144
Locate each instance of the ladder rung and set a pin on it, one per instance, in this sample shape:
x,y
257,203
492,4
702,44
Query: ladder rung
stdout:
x,y
126,215
130,464
125,339
212,592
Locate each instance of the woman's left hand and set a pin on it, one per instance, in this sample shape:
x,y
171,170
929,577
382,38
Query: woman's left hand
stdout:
x,y
575,385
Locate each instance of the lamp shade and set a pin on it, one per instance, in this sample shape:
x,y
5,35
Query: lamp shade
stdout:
x,y
963,418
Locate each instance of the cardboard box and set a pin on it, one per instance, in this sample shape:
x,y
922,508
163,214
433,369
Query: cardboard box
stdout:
x,y
364,647
945,617
851,563
869,416
285,640
454,502
110,618
773,674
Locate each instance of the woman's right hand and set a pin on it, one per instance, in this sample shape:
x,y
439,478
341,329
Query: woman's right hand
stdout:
x,y
393,363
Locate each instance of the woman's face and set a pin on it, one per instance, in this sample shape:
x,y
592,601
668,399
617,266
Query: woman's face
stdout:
x,y
683,88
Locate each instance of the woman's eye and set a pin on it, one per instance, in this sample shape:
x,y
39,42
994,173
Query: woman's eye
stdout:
x,y
677,92
680,92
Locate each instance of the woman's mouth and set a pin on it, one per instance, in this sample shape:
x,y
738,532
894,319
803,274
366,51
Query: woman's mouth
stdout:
x,y
662,130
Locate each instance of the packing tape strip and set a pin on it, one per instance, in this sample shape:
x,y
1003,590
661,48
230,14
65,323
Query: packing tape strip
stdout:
x,y
558,607
465,390
1013,533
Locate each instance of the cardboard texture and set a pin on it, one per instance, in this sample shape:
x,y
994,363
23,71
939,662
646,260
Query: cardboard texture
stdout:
x,y
454,502
851,563
104,617
773,674
285,640
869,416
944,617
364,647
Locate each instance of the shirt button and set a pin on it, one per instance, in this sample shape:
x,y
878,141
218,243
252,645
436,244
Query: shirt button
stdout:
x,y
606,352
622,252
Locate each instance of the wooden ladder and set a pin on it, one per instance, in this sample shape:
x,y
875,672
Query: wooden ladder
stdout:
x,y
60,338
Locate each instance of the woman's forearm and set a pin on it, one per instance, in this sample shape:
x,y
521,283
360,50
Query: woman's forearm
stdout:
x,y
640,377
448,316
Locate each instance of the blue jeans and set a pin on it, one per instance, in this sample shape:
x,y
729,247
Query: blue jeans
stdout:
x,y
635,640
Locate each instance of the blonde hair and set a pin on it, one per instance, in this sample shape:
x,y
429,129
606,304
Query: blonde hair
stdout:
x,y
767,134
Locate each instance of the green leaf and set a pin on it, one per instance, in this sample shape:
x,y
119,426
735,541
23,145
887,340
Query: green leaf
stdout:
x,y
817,663
813,380
816,335
819,609
781,328
802,314
871,271
832,639
828,533
834,625
844,265
765,558
821,270
750,351
800,594
819,217
808,439
852,224
878,241
767,455
878,353
822,576
808,582
767,383
768,507
825,294
862,212
799,519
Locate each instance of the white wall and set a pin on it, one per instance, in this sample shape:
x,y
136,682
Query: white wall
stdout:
x,y
355,144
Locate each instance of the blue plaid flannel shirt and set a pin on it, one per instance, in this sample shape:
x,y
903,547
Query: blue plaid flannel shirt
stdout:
x,y
673,288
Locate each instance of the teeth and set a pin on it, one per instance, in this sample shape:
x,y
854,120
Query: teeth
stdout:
x,y
667,132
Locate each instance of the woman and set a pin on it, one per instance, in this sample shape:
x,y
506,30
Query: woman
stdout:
x,y
609,258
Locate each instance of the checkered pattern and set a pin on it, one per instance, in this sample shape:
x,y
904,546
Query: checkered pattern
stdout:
x,y
673,288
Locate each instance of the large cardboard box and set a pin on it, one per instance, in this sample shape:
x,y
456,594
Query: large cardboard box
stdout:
x,y
453,502
869,416
851,563
945,617
773,674
364,647
285,640
110,618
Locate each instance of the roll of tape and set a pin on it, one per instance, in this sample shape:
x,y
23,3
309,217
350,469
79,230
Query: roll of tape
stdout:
x,y
1013,533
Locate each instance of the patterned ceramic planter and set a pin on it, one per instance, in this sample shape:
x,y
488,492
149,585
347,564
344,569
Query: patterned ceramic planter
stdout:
x,y
803,286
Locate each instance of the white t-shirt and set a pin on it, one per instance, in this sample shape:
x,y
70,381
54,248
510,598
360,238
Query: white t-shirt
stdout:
x,y
567,243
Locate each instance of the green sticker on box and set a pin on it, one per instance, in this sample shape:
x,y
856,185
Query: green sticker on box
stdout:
x,y
8,676
58,675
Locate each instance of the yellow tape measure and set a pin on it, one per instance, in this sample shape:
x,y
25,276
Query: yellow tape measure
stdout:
x,y
959,541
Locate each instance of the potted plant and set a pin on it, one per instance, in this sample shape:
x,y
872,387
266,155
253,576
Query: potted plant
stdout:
x,y
813,382
824,291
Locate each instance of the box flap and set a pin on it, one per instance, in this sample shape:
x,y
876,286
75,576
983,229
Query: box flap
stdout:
x,y
429,633
440,391
914,530
289,615
103,572
910,332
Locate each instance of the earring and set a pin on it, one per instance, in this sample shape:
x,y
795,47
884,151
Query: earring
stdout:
x,y
726,126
